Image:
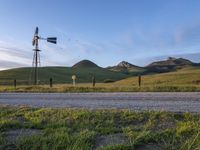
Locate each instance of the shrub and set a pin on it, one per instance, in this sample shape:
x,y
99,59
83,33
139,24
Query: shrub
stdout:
x,y
108,81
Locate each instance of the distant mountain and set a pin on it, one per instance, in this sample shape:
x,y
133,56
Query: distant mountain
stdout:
x,y
171,64
126,64
126,67
171,61
85,64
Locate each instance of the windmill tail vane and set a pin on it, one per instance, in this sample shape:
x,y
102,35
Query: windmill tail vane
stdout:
x,y
52,40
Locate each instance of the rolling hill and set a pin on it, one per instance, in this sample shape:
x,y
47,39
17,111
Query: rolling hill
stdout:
x,y
84,71
85,64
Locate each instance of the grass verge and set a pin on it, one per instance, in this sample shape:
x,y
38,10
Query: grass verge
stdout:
x,y
74,129
101,88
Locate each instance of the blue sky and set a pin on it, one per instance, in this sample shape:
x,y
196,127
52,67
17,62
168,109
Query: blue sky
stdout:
x,y
103,31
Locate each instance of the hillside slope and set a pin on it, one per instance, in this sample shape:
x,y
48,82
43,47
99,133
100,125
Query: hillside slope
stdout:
x,y
60,74
184,76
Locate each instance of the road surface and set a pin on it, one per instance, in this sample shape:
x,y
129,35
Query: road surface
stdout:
x,y
175,102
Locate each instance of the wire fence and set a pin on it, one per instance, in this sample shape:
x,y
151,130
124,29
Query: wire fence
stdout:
x,y
19,82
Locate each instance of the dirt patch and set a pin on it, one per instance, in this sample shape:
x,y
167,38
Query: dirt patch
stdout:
x,y
8,147
20,119
112,139
164,125
149,147
139,122
196,81
12,135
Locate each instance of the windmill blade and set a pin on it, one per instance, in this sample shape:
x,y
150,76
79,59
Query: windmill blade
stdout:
x,y
36,31
33,41
35,38
52,40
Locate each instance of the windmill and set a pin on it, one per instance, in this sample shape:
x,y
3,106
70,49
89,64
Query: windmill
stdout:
x,y
36,56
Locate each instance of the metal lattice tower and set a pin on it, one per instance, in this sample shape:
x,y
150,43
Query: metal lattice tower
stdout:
x,y
36,55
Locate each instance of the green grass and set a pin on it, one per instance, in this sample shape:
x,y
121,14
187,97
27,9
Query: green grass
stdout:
x,y
75,129
59,75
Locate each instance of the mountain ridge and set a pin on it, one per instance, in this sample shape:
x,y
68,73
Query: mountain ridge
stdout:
x,y
170,64
172,61
125,67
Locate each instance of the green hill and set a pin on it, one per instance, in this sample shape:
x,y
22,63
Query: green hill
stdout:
x,y
59,74
85,64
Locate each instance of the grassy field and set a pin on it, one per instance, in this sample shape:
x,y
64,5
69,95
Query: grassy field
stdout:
x,y
186,80
59,75
79,129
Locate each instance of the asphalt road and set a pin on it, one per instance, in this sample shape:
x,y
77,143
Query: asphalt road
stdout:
x,y
175,102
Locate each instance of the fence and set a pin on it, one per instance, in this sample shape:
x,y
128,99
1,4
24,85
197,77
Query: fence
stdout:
x,y
19,82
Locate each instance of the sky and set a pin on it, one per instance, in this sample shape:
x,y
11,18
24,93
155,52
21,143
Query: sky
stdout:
x,y
103,31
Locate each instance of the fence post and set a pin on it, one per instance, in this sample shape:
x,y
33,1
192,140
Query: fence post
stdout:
x,y
74,80
93,81
15,83
51,82
139,80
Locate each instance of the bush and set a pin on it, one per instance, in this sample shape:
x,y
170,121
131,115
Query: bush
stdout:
x,y
108,81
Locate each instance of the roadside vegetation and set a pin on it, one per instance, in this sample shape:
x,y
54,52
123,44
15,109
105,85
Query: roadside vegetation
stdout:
x,y
28,128
100,88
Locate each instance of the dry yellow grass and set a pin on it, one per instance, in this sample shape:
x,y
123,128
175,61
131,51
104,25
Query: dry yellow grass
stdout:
x,y
189,76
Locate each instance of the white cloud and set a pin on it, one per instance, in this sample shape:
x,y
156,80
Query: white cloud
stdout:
x,y
12,56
